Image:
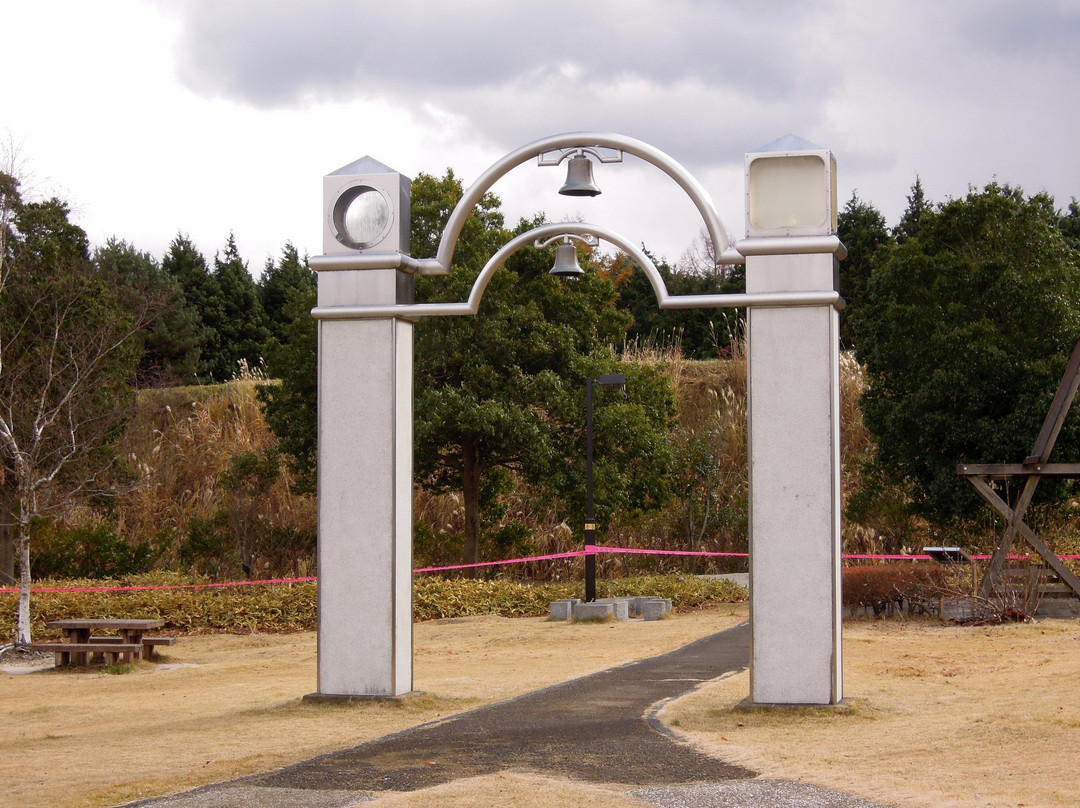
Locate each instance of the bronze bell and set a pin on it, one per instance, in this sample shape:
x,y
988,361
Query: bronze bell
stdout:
x,y
579,180
566,264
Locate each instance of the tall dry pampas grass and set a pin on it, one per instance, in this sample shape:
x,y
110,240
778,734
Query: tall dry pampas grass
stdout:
x,y
181,445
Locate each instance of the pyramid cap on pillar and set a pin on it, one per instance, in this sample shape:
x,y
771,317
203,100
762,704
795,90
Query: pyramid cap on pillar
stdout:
x,y
365,165
788,143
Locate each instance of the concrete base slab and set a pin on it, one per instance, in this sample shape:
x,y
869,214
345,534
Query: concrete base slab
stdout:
x,y
594,611
749,704
332,698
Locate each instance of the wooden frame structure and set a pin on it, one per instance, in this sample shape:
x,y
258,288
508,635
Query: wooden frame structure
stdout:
x,y
1032,470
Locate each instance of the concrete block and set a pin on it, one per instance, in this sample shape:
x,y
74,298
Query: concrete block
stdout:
x,y
655,609
593,611
620,606
562,609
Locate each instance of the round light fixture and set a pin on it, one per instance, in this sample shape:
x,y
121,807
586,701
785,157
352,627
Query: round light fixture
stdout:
x,y
361,217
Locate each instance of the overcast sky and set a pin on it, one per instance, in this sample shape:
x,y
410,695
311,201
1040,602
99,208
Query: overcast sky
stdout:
x,y
205,117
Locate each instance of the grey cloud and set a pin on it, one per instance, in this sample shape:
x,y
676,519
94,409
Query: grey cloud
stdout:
x,y
699,124
281,54
1044,28
701,78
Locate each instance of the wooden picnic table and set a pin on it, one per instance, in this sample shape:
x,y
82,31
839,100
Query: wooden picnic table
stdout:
x,y
78,633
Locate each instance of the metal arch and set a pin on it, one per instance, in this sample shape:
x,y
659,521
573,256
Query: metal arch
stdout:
x,y
448,242
656,281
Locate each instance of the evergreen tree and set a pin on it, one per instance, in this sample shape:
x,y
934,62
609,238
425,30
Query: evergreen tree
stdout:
x,y
700,333
290,404
242,331
1070,224
280,283
202,294
862,229
918,208
505,390
966,332
171,340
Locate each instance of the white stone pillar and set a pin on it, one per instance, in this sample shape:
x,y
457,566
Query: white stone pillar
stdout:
x,y
365,433
794,450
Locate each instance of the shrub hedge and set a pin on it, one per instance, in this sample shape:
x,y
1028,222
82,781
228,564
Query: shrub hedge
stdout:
x,y
292,606
885,589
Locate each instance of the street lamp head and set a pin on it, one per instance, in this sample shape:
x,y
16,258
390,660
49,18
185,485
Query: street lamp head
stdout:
x,y
566,263
579,178
612,379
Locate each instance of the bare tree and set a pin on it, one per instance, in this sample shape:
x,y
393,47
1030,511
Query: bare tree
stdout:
x,y
700,257
67,354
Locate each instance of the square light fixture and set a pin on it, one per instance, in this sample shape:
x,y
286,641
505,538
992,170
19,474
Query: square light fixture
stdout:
x,y
790,190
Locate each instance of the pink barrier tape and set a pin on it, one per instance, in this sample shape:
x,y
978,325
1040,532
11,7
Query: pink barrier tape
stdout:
x,y
573,554
555,556
637,551
164,586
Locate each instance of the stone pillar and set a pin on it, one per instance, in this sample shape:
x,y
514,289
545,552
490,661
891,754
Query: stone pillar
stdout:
x,y
365,432
794,442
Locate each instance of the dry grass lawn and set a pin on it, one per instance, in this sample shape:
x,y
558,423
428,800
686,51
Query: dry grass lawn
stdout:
x,y
940,716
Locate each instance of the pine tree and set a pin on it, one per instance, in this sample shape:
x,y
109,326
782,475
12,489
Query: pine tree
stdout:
x,y
171,341
917,210
862,229
202,294
282,282
242,330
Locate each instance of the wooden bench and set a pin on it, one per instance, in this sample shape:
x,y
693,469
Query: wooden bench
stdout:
x,y
112,651
148,643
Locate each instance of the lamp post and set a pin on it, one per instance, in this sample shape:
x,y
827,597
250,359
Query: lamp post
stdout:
x,y
608,380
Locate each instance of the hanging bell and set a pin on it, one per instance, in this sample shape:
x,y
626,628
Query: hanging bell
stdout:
x,y
579,181
566,265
